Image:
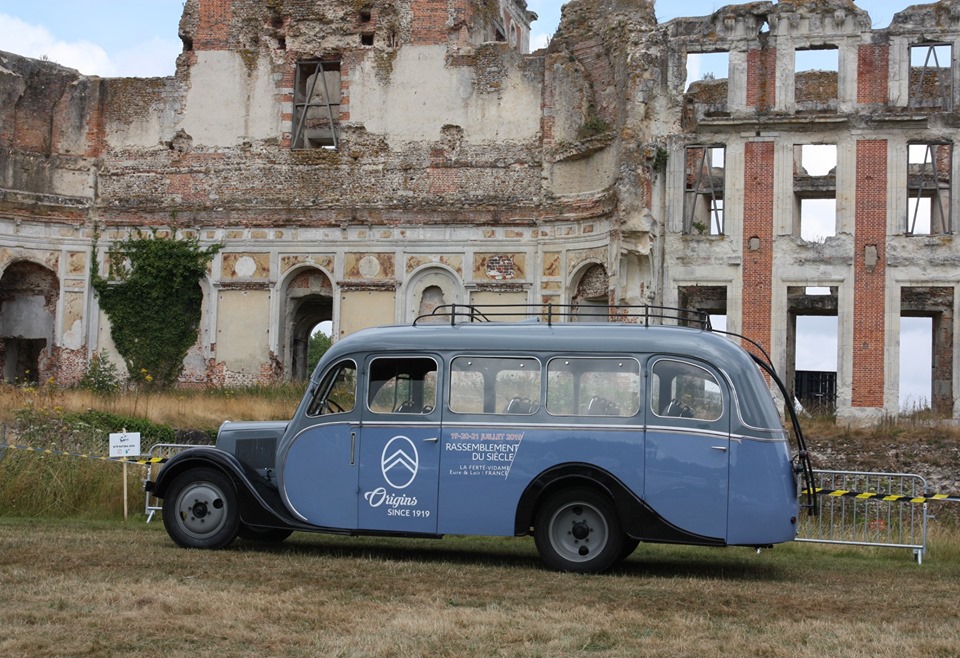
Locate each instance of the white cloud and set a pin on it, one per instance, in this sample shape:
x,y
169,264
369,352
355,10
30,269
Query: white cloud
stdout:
x,y
538,41
154,57
37,42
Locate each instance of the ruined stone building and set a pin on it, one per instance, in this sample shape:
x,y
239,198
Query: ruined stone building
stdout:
x,y
362,163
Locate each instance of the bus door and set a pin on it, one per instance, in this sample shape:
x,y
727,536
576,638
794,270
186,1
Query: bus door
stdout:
x,y
319,471
399,445
688,447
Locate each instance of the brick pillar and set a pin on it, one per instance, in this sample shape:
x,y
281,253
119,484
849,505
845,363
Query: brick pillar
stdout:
x,y
757,241
869,273
873,73
762,78
213,29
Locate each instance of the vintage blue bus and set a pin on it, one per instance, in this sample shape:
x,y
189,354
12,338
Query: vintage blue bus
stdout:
x,y
591,436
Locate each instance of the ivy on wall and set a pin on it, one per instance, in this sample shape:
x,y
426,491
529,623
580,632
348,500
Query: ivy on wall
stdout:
x,y
153,299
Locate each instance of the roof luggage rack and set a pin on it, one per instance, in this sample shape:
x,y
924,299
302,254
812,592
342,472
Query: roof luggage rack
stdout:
x,y
549,313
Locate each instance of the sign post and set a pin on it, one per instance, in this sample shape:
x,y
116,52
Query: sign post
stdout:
x,y
124,444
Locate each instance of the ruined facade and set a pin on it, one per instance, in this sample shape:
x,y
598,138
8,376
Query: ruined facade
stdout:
x,y
363,163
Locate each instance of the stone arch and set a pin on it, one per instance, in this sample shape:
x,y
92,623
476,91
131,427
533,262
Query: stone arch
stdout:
x,y
430,287
590,287
306,301
29,294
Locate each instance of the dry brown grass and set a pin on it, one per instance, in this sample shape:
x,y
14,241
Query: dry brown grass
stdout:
x,y
78,589
182,409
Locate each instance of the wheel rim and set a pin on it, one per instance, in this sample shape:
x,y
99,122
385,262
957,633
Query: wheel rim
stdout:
x,y
201,509
578,532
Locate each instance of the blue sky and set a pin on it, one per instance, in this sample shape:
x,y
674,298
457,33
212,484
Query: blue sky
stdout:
x,y
139,38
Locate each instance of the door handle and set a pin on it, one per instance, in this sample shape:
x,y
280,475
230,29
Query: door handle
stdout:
x,y
720,448
433,440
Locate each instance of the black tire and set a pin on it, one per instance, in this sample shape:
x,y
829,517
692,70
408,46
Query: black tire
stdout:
x,y
578,530
200,509
265,535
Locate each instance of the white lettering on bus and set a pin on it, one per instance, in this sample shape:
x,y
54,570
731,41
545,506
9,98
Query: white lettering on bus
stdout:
x,y
379,496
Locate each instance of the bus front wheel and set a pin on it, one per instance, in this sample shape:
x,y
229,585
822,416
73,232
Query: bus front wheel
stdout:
x,y
200,509
578,530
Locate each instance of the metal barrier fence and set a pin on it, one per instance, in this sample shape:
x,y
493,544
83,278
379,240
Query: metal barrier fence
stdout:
x,y
852,510
165,451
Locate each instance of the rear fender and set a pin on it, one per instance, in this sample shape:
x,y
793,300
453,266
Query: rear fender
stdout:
x,y
637,519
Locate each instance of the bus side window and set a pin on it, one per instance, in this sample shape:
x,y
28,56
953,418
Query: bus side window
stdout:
x,y
405,385
489,385
683,390
593,386
337,392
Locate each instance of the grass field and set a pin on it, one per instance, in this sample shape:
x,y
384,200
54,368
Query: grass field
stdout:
x,y
107,588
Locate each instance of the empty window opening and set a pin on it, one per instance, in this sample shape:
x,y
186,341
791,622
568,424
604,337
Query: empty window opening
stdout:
x,y
366,39
815,191
366,15
816,74
916,340
704,186
930,76
818,219
812,331
816,363
926,350
764,28
928,189
709,300
316,104
710,68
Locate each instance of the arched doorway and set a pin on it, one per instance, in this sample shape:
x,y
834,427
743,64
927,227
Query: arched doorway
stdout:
x,y
307,303
592,292
28,307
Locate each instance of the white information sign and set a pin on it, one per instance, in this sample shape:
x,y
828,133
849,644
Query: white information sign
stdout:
x,y
125,444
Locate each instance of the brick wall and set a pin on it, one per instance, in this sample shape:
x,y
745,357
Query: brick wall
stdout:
x,y
868,304
761,78
429,22
213,31
757,232
873,71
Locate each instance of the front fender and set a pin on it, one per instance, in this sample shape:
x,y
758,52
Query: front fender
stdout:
x,y
260,505
191,458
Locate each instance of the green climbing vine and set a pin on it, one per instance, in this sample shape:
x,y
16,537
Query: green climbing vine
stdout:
x,y
152,297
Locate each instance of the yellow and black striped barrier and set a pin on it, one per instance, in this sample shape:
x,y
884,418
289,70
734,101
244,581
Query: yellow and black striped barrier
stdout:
x,y
873,495
64,453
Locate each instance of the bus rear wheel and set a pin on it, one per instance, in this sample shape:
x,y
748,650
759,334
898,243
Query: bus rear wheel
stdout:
x,y
578,530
